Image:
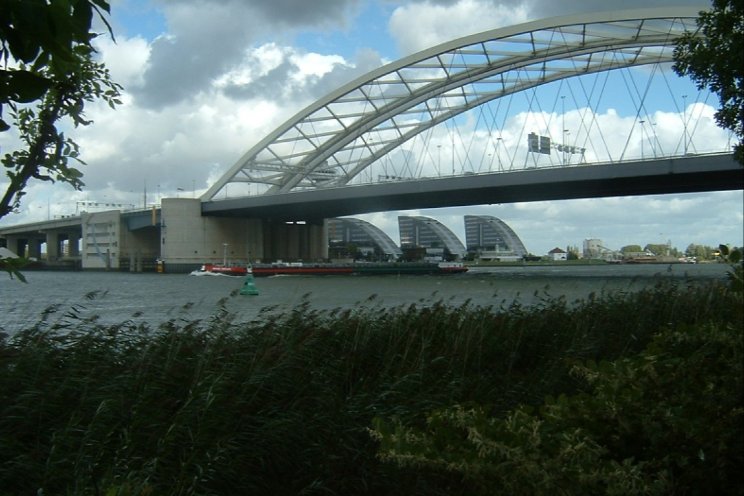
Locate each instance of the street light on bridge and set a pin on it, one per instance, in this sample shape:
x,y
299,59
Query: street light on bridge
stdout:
x,y
684,122
439,160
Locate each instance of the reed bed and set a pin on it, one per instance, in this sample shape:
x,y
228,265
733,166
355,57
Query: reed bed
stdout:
x,y
284,405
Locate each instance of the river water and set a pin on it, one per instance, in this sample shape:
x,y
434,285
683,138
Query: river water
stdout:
x,y
115,297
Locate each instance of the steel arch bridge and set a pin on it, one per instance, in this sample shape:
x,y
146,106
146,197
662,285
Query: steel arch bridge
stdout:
x,y
331,142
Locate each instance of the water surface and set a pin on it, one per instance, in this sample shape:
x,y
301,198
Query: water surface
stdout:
x,y
155,298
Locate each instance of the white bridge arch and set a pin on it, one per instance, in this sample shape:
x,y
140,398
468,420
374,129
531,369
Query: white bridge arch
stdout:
x,y
336,138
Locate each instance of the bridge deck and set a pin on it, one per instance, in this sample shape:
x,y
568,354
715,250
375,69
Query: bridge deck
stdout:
x,y
679,175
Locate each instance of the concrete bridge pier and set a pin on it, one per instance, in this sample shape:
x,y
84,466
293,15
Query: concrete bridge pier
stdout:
x,y
294,241
53,241
61,248
26,246
34,247
16,244
66,245
73,245
188,239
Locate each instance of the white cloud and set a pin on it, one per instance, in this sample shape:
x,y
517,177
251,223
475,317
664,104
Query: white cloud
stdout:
x,y
315,64
417,26
126,59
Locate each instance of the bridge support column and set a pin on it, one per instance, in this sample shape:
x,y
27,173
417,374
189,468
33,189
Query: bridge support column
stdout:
x,y
16,244
33,248
73,245
52,246
188,240
292,241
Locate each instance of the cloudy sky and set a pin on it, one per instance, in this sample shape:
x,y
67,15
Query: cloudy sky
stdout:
x,y
206,79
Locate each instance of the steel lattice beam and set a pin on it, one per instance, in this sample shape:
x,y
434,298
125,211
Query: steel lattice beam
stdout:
x,y
330,142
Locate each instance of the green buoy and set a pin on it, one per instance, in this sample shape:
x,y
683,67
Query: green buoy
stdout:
x,y
249,287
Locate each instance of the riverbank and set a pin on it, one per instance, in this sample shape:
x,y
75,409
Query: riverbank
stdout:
x,y
285,404
581,262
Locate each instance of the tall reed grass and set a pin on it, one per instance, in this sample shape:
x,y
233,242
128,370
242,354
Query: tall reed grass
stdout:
x,y
283,405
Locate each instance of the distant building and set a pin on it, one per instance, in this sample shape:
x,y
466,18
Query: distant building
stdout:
x,y
593,248
556,254
438,241
366,238
490,238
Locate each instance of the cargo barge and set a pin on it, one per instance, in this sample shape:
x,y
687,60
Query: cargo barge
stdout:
x,y
327,269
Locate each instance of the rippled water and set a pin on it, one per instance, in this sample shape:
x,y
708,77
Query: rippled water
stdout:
x,y
156,298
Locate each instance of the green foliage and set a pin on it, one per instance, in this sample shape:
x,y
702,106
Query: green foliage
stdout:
x,y
13,267
42,37
48,74
716,60
669,420
660,249
736,274
631,249
283,405
700,252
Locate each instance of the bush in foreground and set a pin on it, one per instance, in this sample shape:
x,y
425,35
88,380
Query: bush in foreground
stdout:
x,y
668,420
284,405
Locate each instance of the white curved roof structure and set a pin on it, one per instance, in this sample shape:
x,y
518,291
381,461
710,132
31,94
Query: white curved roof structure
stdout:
x,y
419,231
360,230
333,140
491,233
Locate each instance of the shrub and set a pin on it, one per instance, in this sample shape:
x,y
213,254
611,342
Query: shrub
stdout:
x,y
669,420
283,405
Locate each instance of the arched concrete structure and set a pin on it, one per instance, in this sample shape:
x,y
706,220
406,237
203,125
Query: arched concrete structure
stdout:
x,y
356,231
424,232
488,234
332,141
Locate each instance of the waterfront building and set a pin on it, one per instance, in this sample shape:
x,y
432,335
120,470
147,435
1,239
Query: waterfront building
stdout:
x,y
490,238
593,248
556,254
364,238
431,236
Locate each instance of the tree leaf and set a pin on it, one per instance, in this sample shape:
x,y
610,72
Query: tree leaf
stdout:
x,y
25,86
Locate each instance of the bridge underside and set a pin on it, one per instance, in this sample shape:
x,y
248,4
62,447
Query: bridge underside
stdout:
x,y
682,175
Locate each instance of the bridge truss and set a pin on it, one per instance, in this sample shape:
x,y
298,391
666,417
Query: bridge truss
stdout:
x,y
333,141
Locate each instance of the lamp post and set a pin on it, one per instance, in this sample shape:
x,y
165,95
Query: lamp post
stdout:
x,y
439,160
499,141
372,153
563,126
684,121
453,151
642,121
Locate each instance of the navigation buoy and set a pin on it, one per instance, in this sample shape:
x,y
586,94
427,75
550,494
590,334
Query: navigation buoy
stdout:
x,y
249,286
